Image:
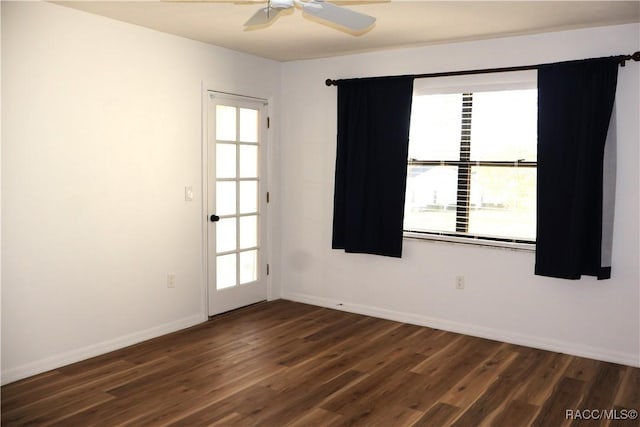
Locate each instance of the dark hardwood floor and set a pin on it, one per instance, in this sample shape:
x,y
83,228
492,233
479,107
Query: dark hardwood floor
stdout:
x,y
283,363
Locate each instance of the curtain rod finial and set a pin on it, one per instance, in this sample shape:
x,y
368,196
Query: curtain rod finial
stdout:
x,y
635,57
330,82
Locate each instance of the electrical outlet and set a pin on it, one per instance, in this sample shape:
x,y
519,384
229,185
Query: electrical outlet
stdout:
x,y
459,282
171,280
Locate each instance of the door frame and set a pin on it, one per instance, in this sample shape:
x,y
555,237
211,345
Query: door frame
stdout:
x,y
205,194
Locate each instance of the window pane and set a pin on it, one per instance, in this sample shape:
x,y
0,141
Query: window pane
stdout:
x,y
435,127
248,161
503,202
248,125
248,266
226,235
431,198
248,196
504,125
248,231
225,160
226,271
225,198
225,123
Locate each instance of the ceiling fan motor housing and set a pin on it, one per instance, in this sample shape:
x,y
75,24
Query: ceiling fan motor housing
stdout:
x,y
281,4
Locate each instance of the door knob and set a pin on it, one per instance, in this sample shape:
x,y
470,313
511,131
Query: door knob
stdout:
x,y
214,218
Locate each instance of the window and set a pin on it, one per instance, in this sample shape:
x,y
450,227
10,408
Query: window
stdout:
x,y
472,159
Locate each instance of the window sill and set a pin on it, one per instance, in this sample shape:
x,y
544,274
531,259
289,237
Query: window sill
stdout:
x,y
474,241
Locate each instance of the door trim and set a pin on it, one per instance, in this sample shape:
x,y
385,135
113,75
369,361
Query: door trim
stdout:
x,y
204,205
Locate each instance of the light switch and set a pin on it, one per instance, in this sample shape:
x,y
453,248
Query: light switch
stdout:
x,y
188,193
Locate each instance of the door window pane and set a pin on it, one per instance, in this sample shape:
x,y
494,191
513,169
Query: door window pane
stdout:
x,y
225,123
503,202
248,266
248,161
248,125
226,235
225,198
225,271
248,231
430,203
248,196
225,160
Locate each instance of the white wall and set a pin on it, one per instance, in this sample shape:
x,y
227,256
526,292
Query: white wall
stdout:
x,y
0,183
101,132
503,299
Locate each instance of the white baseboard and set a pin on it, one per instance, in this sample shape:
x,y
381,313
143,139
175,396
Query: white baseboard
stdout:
x,y
574,349
63,359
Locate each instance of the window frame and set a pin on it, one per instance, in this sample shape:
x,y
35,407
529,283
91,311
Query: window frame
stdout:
x,y
467,85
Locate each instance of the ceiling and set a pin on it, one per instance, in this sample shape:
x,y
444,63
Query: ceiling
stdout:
x,y
294,36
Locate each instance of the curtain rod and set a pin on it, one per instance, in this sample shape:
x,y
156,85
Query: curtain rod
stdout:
x,y
621,58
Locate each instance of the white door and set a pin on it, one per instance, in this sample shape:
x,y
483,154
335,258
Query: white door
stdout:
x,y
236,202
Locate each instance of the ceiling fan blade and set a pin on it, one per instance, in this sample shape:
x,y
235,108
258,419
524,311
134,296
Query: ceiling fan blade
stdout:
x,y
264,16
341,16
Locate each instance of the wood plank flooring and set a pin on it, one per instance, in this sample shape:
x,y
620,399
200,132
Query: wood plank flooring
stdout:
x,y
288,364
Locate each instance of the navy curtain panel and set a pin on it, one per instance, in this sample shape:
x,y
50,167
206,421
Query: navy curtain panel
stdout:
x,y
575,102
371,164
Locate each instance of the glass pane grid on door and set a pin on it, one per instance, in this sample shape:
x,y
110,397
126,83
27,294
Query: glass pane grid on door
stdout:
x,y
237,202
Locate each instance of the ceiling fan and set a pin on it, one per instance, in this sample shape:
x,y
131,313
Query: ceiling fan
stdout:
x,y
333,14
